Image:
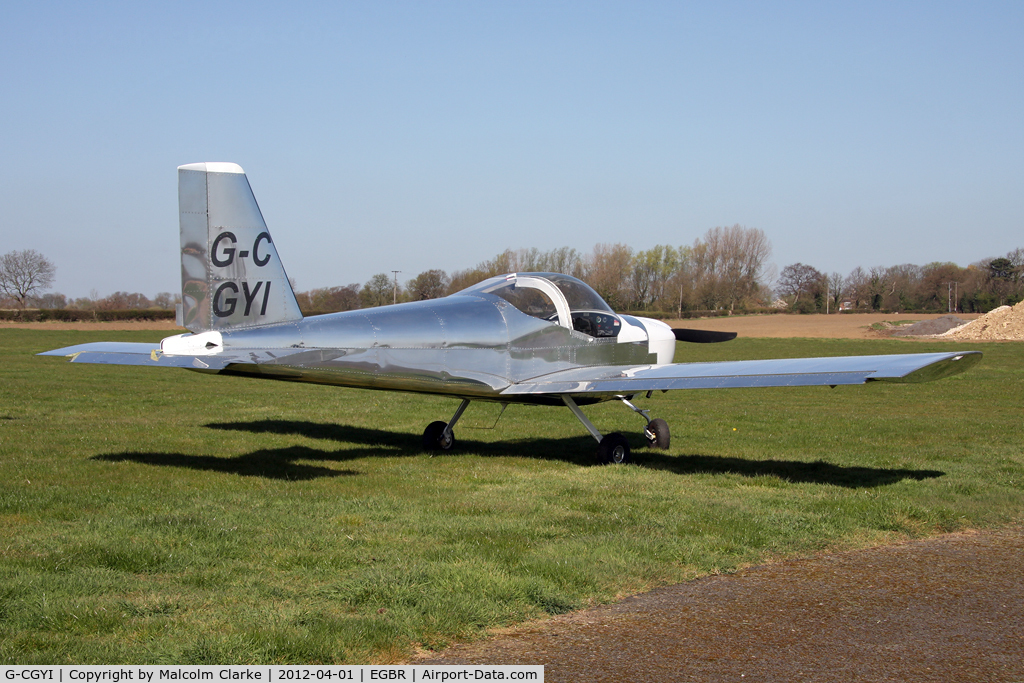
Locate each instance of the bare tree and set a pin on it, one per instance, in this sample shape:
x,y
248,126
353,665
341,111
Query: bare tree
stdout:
x,y
856,288
505,262
902,282
51,301
1016,259
166,300
121,301
525,260
798,280
461,279
835,289
532,260
876,287
652,269
729,264
744,252
329,299
564,260
680,288
23,273
607,271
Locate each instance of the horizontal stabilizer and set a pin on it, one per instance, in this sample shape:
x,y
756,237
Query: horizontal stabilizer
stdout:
x,y
126,353
104,347
787,372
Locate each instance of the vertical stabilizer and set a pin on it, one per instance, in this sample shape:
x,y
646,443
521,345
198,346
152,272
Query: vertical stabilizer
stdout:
x,y
231,275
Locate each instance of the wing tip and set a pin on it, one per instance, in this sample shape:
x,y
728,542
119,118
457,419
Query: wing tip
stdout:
x,y
955,363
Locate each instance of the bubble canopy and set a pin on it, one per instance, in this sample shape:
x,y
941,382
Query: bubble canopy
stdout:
x,y
552,296
578,294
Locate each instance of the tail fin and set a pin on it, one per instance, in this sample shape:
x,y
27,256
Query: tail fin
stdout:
x,y
231,275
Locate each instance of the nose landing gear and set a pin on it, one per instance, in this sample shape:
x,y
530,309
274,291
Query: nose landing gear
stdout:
x,y
614,448
657,434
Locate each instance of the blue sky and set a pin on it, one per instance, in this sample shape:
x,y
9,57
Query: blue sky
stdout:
x,y
384,136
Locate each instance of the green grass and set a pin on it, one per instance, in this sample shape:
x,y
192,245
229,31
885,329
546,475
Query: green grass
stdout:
x,y
152,516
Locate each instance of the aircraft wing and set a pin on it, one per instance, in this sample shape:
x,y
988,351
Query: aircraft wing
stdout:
x,y
786,372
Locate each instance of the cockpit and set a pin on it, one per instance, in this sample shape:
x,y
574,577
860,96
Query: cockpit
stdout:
x,y
557,298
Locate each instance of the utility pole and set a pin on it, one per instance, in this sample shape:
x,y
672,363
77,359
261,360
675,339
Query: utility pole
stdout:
x,y
394,294
952,296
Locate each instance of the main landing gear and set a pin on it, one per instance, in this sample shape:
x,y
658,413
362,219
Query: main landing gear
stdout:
x,y
438,436
613,448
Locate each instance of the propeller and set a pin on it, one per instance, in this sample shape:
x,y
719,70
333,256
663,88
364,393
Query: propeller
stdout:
x,y
702,336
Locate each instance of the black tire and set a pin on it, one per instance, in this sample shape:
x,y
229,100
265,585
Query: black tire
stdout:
x,y
657,434
613,450
433,437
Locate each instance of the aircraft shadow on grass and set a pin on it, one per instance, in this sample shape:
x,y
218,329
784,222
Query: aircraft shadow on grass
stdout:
x,y
282,463
271,463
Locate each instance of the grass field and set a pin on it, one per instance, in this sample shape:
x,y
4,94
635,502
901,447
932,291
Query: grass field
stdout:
x,y
152,516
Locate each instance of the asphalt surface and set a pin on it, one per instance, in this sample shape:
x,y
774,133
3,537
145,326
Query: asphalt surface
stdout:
x,y
949,608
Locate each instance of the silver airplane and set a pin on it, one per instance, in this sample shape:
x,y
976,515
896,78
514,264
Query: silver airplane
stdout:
x,y
535,338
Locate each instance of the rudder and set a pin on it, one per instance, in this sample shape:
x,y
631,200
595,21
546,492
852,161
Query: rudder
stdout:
x,y
231,275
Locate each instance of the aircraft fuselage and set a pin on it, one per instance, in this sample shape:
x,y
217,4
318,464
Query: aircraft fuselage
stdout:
x,y
467,345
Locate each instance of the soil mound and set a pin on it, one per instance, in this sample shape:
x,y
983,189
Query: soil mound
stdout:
x,y
929,327
1001,324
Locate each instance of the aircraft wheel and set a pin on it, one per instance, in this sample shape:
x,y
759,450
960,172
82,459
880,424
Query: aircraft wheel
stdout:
x,y
657,434
613,449
434,439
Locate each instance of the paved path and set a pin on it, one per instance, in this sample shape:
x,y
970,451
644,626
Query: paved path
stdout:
x,y
950,608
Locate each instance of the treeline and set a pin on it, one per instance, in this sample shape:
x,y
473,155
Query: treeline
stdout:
x,y
726,270
118,301
935,287
70,315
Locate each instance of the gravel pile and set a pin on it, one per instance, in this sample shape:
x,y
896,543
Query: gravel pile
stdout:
x,y
1001,324
929,327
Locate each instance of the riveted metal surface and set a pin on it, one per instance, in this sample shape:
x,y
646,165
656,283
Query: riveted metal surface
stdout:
x,y
231,274
788,372
194,231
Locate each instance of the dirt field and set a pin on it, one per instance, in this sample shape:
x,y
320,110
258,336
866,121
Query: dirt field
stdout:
x,y
836,326
167,326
